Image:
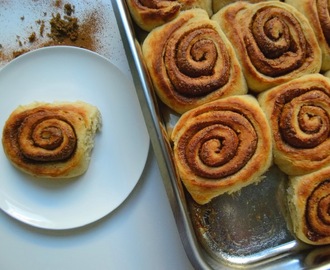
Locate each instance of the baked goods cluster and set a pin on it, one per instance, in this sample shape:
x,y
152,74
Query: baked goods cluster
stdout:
x,y
51,140
249,85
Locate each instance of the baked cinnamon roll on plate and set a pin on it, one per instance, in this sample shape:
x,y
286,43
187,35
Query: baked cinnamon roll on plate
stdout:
x,y
60,77
51,140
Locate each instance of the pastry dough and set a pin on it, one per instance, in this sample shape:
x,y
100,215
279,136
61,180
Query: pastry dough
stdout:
x,y
274,42
219,4
191,62
317,13
221,147
309,203
327,74
299,116
51,140
149,14
203,4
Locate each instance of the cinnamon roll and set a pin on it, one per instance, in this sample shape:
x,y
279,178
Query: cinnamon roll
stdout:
x,y
221,147
317,13
299,115
274,42
148,14
51,140
309,204
191,62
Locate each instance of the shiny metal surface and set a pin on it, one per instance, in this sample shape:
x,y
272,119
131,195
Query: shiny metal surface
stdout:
x,y
249,229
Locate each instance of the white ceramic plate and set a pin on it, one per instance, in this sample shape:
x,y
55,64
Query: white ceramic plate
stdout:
x,y
120,151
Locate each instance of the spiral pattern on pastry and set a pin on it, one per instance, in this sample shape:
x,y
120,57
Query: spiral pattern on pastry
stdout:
x,y
309,198
299,115
149,14
317,13
191,62
275,42
221,146
202,142
317,211
50,140
45,136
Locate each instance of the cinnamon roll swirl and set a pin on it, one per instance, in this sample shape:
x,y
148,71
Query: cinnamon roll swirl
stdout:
x,y
317,13
309,204
148,14
51,140
274,42
191,62
221,147
299,115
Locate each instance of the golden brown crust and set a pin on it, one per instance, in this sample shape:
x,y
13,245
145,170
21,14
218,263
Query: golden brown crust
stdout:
x,y
299,116
203,4
51,140
274,42
149,14
219,4
221,146
309,203
317,13
191,62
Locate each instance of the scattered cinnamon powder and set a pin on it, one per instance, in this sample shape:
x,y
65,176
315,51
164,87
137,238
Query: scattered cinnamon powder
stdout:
x,y
18,39
64,29
73,32
20,52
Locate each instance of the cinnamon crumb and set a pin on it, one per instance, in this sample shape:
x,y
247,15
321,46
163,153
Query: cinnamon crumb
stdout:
x,y
69,9
58,3
62,28
42,27
32,37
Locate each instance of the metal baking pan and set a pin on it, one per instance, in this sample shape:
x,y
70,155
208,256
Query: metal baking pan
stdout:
x,y
249,229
